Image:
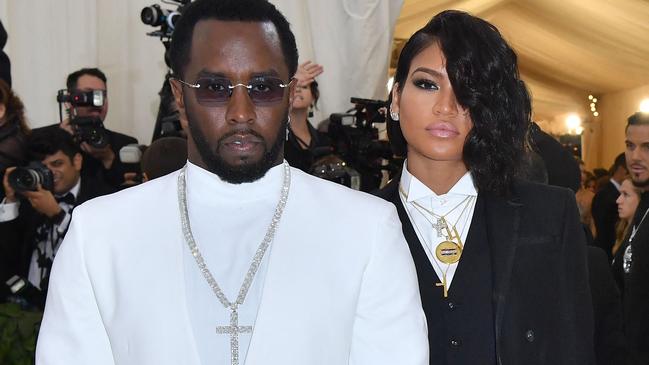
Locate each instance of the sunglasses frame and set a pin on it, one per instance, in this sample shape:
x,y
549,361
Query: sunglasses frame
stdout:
x,y
248,87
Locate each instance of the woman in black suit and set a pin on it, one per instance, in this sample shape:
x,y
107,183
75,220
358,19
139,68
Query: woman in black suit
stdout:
x,y
501,262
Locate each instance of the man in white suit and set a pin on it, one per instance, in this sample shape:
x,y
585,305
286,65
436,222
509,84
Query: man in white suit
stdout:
x,y
236,258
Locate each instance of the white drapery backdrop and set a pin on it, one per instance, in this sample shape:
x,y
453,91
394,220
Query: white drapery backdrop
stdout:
x,y
49,39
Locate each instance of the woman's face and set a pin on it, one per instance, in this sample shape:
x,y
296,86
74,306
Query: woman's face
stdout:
x,y
302,98
432,121
628,200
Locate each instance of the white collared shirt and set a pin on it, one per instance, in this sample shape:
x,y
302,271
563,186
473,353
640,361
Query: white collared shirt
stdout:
x,y
416,191
50,245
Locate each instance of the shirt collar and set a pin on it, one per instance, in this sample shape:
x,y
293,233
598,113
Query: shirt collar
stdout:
x,y
616,184
415,189
208,186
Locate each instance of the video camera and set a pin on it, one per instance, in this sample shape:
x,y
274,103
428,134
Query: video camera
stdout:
x,y
86,129
167,120
166,19
27,178
357,142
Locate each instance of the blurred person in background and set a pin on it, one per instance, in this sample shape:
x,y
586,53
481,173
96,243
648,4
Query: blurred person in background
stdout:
x,y
102,163
34,222
13,129
604,208
165,155
627,204
304,143
631,263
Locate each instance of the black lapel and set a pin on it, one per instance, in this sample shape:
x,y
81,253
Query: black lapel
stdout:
x,y
503,220
425,270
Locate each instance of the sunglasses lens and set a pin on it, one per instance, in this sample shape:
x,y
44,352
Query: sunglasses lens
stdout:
x,y
217,91
266,90
212,91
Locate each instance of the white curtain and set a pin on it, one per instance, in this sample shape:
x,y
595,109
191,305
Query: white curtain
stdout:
x,y
50,38
351,39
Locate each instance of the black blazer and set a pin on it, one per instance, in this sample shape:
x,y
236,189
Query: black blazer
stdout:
x,y
18,235
610,344
635,288
604,211
542,304
93,168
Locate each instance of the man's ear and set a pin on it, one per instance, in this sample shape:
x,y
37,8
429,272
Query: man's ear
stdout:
x,y
3,111
77,161
177,89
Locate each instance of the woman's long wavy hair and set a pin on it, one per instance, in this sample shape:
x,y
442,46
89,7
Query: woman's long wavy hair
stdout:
x,y
483,71
14,109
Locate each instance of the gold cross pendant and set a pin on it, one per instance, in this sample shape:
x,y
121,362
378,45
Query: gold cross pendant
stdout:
x,y
443,285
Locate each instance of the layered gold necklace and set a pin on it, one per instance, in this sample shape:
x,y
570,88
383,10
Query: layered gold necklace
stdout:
x,y
449,250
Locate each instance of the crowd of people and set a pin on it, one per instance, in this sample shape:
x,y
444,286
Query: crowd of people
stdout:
x,y
492,245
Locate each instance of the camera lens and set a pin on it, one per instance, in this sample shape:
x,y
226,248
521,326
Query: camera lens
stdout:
x,y
153,15
24,179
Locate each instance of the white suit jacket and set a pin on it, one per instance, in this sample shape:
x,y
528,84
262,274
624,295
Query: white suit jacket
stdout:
x,y
340,287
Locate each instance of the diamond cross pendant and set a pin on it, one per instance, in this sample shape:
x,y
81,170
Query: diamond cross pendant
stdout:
x,y
234,330
439,226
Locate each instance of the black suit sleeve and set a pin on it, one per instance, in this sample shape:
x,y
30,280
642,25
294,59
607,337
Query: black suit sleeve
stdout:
x,y
576,287
610,346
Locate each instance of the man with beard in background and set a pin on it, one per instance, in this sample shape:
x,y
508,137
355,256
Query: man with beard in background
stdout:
x,y
631,263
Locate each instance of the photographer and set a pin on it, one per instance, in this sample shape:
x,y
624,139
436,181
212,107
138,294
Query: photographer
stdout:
x,y
34,219
101,156
304,143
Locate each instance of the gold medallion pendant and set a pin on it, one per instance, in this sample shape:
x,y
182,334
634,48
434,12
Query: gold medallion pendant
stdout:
x,y
448,252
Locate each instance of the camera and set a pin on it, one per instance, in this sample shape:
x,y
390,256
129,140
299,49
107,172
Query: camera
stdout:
x,y
357,143
86,129
166,19
92,98
28,177
90,130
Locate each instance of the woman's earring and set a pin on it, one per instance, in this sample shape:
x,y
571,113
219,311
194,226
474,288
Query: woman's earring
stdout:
x,y
311,111
394,115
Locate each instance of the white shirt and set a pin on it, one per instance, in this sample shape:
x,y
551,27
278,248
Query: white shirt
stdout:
x,y
49,246
461,217
616,184
229,222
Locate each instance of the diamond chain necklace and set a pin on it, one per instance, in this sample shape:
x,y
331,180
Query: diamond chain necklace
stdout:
x,y
234,329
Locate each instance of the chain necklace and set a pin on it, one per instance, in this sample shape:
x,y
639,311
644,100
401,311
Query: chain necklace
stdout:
x,y
233,329
448,252
634,228
441,218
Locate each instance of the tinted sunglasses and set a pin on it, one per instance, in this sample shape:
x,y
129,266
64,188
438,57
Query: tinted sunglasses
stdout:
x,y
217,91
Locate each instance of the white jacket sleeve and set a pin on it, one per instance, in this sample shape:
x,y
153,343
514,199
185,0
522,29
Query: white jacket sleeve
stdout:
x,y
390,325
72,332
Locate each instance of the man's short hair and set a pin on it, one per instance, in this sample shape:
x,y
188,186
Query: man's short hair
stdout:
x,y
164,155
45,142
620,161
73,78
229,10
